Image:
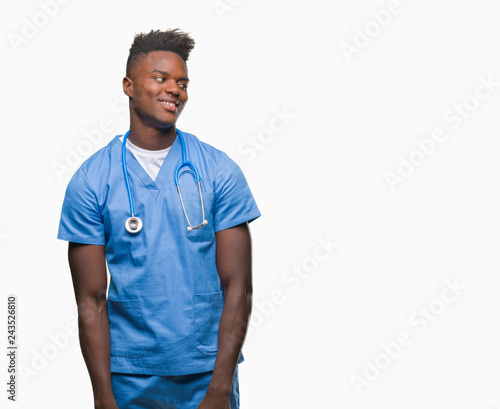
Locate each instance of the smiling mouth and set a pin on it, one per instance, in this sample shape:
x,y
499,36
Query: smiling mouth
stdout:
x,y
169,105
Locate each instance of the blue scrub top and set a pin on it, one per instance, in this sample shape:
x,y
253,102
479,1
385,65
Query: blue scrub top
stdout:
x,y
165,298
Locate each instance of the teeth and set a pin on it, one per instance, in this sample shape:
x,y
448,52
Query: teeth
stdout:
x,y
168,103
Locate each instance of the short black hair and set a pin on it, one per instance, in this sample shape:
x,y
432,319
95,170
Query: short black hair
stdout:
x,y
173,40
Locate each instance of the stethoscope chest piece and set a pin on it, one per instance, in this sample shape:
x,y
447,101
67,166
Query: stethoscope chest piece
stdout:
x,y
133,224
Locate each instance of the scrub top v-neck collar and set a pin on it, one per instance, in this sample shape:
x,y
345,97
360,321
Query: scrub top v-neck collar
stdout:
x,y
165,175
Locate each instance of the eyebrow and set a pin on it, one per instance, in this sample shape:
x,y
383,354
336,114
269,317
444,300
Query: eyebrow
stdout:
x,y
167,74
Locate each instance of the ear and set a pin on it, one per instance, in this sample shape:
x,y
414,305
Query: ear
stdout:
x,y
128,86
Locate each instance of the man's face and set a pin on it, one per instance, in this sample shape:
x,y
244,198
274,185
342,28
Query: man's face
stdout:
x,y
157,87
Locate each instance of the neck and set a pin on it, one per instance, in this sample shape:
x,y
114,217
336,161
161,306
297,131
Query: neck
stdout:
x,y
151,139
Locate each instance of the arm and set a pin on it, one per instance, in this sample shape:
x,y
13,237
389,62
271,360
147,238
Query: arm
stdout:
x,y
234,266
88,270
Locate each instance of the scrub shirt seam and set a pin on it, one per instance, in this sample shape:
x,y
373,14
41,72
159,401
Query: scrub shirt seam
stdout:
x,y
246,217
65,209
68,237
93,192
224,156
237,221
81,240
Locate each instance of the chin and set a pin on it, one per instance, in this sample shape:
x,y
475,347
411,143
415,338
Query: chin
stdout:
x,y
166,123
165,119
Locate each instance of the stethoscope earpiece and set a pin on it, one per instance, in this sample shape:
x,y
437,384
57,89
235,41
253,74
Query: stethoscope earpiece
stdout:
x,y
204,223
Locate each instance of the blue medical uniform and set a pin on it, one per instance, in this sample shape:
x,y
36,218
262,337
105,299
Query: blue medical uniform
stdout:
x,y
166,392
165,297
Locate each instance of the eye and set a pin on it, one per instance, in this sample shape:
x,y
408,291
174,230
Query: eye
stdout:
x,y
183,87
159,79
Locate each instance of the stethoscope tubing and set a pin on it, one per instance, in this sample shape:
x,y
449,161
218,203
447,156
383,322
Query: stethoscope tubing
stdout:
x,y
134,224
125,174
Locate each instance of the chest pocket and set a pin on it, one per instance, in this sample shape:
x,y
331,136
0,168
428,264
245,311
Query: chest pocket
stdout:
x,y
194,211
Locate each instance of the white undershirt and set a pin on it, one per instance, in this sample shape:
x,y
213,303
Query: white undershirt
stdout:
x,y
151,161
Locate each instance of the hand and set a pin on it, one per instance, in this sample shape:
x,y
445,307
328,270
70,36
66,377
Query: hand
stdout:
x,y
214,400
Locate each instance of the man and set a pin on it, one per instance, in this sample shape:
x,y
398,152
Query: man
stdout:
x,y
170,331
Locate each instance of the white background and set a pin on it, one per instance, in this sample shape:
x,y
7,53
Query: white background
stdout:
x,y
321,177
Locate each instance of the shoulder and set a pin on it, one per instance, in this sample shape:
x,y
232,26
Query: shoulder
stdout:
x,y
204,147
92,174
97,164
216,157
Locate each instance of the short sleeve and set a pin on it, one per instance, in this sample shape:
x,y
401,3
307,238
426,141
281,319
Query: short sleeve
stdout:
x,y
234,202
81,220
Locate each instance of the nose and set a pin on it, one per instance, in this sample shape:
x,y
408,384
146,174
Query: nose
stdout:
x,y
171,87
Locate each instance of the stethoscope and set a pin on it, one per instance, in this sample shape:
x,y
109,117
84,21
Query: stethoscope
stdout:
x,y
133,224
